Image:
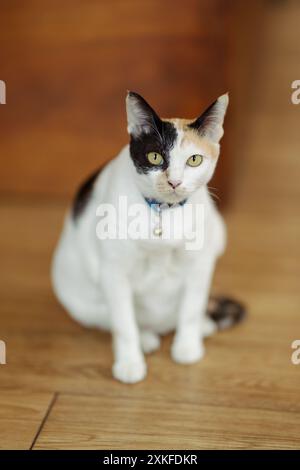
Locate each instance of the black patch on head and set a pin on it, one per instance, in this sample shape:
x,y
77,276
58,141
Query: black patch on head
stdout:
x,y
202,121
83,194
151,135
160,141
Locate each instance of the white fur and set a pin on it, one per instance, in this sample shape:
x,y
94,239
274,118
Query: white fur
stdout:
x,y
141,289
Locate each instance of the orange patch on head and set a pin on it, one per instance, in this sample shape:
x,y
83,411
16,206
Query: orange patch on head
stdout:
x,y
192,136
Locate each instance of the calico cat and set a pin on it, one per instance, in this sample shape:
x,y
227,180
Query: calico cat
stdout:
x,y
136,288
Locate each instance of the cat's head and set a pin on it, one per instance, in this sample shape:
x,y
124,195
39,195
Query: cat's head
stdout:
x,y
173,157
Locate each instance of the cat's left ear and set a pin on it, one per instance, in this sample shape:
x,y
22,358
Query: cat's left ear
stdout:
x,y
210,123
141,118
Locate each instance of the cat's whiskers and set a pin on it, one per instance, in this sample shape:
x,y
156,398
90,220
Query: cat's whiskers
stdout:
x,y
212,194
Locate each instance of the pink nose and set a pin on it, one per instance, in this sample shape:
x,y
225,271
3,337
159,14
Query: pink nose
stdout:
x,y
174,183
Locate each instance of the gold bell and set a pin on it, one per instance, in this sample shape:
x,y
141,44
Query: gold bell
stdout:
x,y
157,231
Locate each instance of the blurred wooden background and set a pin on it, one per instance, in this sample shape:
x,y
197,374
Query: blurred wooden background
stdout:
x,y
67,66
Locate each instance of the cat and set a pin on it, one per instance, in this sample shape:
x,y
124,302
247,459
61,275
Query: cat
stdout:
x,y
140,289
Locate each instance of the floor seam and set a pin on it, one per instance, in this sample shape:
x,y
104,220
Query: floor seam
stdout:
x,y
43,422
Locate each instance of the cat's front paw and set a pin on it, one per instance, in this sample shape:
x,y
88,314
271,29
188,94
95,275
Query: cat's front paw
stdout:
x,y
129,371
187,352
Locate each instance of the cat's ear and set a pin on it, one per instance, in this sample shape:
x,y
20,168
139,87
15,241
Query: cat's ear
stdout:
x,y
210,123
141,118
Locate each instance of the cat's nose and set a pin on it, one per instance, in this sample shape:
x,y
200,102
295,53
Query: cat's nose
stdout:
x,y
174,183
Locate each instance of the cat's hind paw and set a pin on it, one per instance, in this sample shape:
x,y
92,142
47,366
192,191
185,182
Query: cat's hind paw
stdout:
x,y
150,341
209,327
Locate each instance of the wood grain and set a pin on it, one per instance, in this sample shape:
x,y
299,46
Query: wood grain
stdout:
x,y
21,415
113,422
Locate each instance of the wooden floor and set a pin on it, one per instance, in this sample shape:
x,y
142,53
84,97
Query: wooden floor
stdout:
x,y
56,390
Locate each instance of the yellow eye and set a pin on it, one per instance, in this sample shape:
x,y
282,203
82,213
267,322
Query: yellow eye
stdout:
x,y
195,160
155,158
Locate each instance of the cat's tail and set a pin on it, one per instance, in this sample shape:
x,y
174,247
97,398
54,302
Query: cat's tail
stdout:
x,y
225,312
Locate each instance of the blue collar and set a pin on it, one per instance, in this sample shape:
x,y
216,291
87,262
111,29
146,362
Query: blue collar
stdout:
x,y
157,205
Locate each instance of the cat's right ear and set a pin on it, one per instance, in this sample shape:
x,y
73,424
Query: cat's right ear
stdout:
x,y
141,118
210,123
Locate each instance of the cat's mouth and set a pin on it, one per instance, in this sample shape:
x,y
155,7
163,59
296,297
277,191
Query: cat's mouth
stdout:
x,y
178,191
174,195
171,195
